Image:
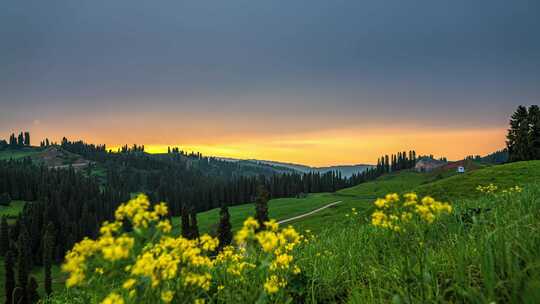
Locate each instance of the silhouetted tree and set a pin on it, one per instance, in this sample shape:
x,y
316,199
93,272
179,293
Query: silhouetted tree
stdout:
x,y
27,138
4,237
12,140
9,277
534,133
193,229
48,251
518,136
186,233
224,229
261,206
32,294
20,139
22,268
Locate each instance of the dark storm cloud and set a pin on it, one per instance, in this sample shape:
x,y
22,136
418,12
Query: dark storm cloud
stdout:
x,y
340,60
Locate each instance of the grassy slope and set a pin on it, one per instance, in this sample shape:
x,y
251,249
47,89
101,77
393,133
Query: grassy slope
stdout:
x,y
464,186
494,258
11,212
17,153
491,258
278,208
13,209
357,197
361,196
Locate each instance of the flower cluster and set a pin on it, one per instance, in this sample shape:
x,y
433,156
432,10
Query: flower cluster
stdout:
x,y
149,265
393,213
488,189
271,245
515,189
492,189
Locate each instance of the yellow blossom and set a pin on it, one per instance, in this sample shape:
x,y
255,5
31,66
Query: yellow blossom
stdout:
x,y
167,296
165,226
129,284
113,298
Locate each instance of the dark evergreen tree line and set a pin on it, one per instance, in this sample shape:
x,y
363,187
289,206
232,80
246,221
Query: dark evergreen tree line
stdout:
x,y
386,164
523,139
22,140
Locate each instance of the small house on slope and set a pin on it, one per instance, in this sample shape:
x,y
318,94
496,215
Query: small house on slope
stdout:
x,y
427,164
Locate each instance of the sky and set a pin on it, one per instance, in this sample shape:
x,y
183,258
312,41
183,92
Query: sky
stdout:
x,y
316,82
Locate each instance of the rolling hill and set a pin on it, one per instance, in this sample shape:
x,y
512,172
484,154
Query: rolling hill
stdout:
x,y
346,170
447,185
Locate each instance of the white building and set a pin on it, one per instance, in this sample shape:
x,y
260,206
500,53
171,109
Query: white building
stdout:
x,y
461,169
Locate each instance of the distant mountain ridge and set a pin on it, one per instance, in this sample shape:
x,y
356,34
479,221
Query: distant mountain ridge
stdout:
x,y
346,170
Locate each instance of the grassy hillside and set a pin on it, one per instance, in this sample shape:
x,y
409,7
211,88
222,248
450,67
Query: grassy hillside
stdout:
x,y
17,153
464,185
358,197
278,208
488,256
12,211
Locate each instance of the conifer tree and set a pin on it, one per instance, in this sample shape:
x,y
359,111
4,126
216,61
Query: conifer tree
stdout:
x,y
518,135
27,139
4,237
185,223
534,133
193,229
9,277
48,251
261,206
32,295
22,268
224,229
20,140
12,140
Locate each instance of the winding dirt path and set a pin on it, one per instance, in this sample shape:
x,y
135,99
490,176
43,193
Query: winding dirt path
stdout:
x,y
309,213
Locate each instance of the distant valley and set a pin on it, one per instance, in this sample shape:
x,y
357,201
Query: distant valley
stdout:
x,y
346,170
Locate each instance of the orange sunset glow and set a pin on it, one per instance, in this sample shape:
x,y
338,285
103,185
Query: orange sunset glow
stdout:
x,y
321,148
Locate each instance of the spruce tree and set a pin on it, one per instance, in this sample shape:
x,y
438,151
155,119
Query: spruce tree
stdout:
x,y
534,133
12,140
9,277
518,136
22,268
48,251
27,139
32,295
193,229
185,223
261,206
4,237
224,229
20,140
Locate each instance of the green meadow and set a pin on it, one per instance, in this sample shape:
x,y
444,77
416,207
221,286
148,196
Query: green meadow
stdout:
x,y
487,256
17,153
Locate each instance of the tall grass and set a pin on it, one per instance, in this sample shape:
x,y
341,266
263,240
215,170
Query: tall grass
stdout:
x,y
486,251
483,255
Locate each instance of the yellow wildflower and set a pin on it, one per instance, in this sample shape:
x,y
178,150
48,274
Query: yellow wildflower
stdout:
x,y
251,223
165,226
272,225
129,284
167,296
268,240
113,298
